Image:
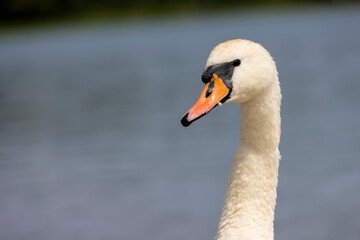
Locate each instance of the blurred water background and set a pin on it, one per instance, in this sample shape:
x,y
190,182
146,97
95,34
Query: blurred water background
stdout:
x,y
92,147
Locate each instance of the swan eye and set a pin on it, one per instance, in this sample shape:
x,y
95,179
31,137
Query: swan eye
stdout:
x,y
236,62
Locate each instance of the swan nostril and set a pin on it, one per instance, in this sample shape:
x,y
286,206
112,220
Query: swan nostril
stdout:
x,y
209,89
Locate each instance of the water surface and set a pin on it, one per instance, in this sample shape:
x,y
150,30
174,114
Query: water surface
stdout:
x,y
92,147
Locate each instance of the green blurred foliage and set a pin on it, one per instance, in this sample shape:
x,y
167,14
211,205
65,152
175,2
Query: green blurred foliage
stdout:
x,y
20,10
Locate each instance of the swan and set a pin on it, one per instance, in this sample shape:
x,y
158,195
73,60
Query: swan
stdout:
x,y
242,71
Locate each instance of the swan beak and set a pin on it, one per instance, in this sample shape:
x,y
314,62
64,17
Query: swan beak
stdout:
x,y
211,96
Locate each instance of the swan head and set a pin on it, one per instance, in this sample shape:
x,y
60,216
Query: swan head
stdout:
x,y
236,71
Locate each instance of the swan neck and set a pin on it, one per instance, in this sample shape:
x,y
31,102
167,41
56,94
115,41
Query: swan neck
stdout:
x,y
260,120
248,211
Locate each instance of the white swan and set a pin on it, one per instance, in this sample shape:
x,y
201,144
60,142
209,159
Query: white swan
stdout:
x,y
242,71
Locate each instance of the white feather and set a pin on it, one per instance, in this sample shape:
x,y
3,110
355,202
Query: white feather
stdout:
x,y
248,211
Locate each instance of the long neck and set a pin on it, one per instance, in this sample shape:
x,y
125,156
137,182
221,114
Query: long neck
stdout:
x,y
250,199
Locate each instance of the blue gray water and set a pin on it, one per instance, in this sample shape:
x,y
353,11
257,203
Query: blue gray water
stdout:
x,y
92,147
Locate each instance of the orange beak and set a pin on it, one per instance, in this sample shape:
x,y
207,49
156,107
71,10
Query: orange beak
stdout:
x,y
213,93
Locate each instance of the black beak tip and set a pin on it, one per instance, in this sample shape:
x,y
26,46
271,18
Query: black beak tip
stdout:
x,y
184,120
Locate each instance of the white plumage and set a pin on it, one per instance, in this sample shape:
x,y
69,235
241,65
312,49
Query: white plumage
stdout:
x,y
248,212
